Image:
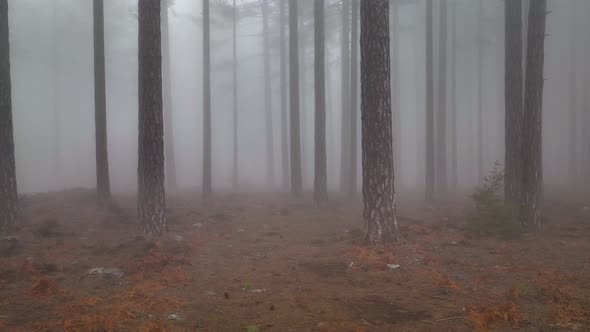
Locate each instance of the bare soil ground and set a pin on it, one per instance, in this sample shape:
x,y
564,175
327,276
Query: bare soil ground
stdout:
x,y
269,263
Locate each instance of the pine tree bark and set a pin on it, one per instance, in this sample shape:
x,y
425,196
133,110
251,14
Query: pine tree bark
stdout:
x,y
151,194
378,174
394,31
353,107
441,131
8,189
429,104
235,171
207,167
533,116
513,101
270,157
170,159
103,185
284,115
296,181
320,180
345,100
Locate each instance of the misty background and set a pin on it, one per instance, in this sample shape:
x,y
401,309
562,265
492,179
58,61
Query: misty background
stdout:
x,y
52,76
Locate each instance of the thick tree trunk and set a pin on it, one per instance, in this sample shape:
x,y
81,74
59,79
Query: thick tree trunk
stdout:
x,y
394,30
480,147
270,156
533,116
453,93
514,101
345,100
353,107
429,105
441,131
235,171
284,116
378,174
169,154
8,190
151,194
296,182
207,167
103,185
320,181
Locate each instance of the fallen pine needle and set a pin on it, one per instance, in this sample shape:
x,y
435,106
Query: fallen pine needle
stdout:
x,y
429,322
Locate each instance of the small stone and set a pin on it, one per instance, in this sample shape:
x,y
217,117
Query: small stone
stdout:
x,y
198,224
175,317
392,267
258,290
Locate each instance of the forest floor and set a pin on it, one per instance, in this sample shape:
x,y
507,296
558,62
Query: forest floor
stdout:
x,y
268,263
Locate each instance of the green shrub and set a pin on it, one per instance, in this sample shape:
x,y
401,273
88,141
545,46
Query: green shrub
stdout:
x,y
491,215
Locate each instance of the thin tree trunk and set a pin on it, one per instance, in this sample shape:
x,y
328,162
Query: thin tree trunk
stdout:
x,y
514,101
303,90
296,182
320,181
441,150
235,170
354,85
103,185
284,119
59,180
270,157
429,105
170,158
454,154
151,194
573,112
345,90
378,173
207,167
480,148
8,188
533,116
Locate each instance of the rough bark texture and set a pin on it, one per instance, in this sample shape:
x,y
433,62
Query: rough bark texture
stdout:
x,y
429,105
513,101
284,115
320,180
345,98
169,154
296,182
103,185
235,171
441,150
480,148
353,107
453,121
207,171
533,116
394,30
151,195
270,156
8,191
378,174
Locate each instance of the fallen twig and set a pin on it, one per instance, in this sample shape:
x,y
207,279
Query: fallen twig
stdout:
x,y
450,318
429,322
367,323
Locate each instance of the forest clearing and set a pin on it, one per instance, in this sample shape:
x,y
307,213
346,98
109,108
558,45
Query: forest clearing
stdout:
x,y
267,263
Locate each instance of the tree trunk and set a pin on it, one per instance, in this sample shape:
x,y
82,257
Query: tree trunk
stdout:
x,y
573,113
8,190
480,148
235,174
429,105
284,120
303,91
270,156
296,183
103,185
151,195
169,154
394,31
353,107
441,150
454,154
207,167
533,116
378,174
320,181
59,179
345,90
514,101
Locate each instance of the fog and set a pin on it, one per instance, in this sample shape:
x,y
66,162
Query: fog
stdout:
x,y
52,74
